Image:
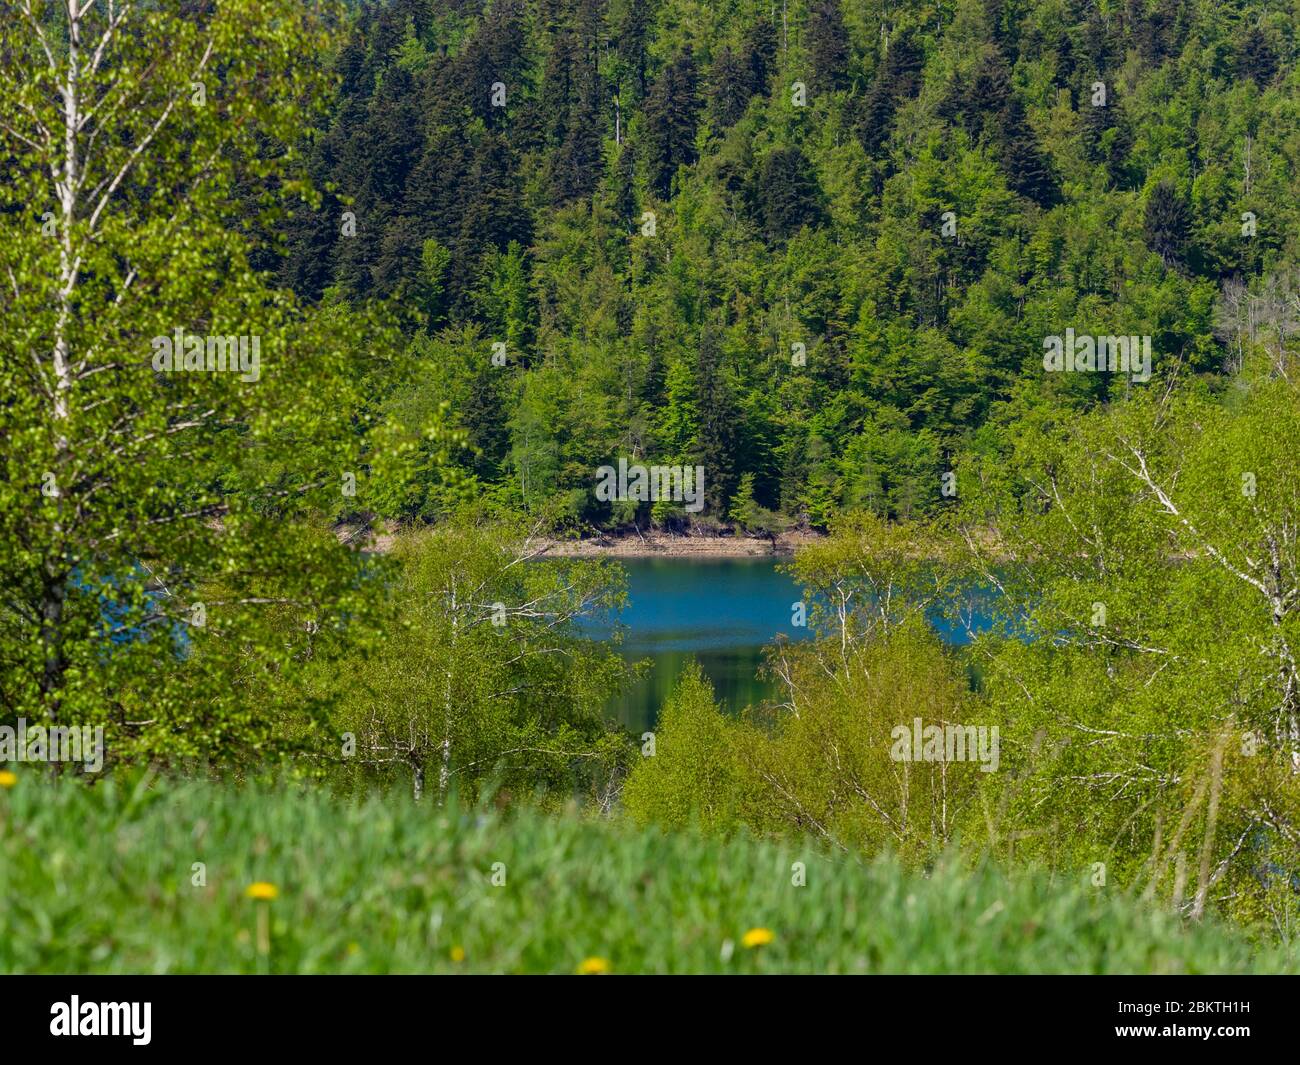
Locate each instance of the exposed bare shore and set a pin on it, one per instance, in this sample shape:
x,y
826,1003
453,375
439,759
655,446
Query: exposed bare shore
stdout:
x,y
666,545
381,540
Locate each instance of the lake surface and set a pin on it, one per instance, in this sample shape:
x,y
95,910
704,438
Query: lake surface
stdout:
x,y
720,611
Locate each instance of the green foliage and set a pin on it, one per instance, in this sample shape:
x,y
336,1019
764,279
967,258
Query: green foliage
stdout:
x,y
1146,554
142,507
822,762
691,776
748,515
483,674
823,765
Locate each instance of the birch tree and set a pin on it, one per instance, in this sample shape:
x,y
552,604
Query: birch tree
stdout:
x,y
484,672
1149,562
127,482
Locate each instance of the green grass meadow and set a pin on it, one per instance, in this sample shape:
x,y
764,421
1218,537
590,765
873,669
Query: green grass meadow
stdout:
x,y
103,880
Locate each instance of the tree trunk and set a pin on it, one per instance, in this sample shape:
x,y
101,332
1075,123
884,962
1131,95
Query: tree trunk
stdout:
x,y
54,593
1211,822
444,769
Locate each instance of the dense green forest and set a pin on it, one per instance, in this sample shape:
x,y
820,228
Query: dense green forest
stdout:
x,y
815,248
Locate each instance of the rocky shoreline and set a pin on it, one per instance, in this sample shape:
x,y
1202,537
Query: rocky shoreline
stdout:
x,y
382,539
668,545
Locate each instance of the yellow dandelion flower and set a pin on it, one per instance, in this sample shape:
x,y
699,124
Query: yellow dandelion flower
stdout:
x,y
262,890
7,779
593,967
458,954
757,937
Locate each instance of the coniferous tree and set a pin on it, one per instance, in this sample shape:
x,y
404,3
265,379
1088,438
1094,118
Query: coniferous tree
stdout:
x,y
578,163
898,78
990,89
1066,65
436,193
557,89
652,384
875,115
903,65
630,22
494,214
991,109
718,421
788,193
828,46
671,111
374,166
310,236
486,418
758,54
1167,224
729,90
1256,58
1158,32
1026,167
625,200
1001,23
794,474
1108,138
1099,44
497,53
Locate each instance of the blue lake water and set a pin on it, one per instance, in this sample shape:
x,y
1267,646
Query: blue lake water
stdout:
x,y
722,612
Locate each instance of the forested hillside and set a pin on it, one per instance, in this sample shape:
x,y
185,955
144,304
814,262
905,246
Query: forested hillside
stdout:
x,y
812,247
